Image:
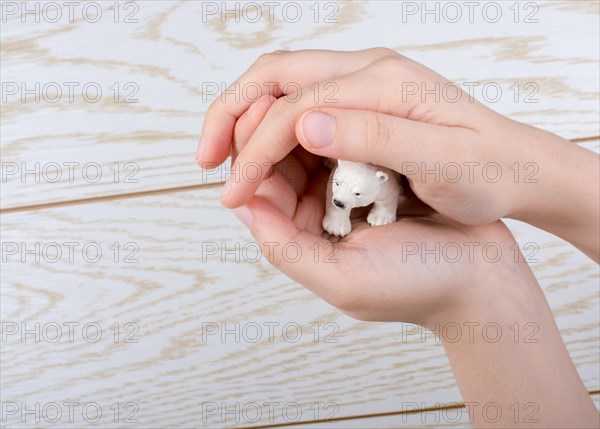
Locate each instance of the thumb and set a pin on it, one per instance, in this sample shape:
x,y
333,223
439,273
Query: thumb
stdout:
x,y
309,259
367,136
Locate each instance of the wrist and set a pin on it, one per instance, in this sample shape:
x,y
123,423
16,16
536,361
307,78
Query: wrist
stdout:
x,y
509,348
558,191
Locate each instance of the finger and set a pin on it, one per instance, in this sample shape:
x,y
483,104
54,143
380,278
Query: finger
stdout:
x,y
306,211
279,192
293,172
275,137
249,121
311,207
294,251
271,142
310,161
366,136
294,166
275,74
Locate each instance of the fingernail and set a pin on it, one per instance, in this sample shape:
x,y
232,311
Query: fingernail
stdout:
x,y
318,129
226,189
200,149
255,104
244,214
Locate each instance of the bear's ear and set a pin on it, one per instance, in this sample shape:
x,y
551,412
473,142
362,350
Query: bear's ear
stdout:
x,y
381,175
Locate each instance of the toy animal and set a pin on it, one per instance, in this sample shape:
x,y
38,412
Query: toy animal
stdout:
x,y
356,184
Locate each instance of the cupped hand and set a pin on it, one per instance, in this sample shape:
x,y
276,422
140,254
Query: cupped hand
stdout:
x,y
423,267
373,106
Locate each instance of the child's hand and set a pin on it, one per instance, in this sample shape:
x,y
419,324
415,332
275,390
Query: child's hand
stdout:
x,y
462,159
420,267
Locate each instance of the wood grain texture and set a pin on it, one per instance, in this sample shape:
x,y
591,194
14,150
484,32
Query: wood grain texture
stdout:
x,y
167,58
180,287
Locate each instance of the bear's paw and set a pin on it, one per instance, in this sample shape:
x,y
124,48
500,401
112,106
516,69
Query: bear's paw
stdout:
x,y
337,225
378,218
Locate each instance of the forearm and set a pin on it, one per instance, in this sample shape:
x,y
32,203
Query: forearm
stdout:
x,y
516,362
562,197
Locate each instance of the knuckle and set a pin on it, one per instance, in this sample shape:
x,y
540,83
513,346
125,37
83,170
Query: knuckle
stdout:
x,y
377,133
388,64
270,57
280,109
383,52
264,58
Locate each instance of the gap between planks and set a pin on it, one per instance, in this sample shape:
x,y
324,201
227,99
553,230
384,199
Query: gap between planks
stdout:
x,y
452,406
35,207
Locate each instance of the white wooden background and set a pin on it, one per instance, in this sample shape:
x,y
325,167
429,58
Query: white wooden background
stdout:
x,y
170,211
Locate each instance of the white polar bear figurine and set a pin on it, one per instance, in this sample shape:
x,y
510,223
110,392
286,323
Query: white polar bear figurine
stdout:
x,y
355,184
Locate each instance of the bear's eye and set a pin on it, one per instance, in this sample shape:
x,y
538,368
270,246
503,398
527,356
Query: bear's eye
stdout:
x,y
357,194
337,183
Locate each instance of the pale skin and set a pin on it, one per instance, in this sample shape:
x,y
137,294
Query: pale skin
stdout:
x,y
371,122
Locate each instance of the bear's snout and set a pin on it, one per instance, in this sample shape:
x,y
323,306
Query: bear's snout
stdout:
x,y
339,204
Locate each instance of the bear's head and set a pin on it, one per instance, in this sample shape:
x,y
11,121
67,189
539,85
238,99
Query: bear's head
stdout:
x,y
356,184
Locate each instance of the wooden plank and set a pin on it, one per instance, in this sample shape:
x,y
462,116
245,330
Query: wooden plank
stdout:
x,y
170,59
188,280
